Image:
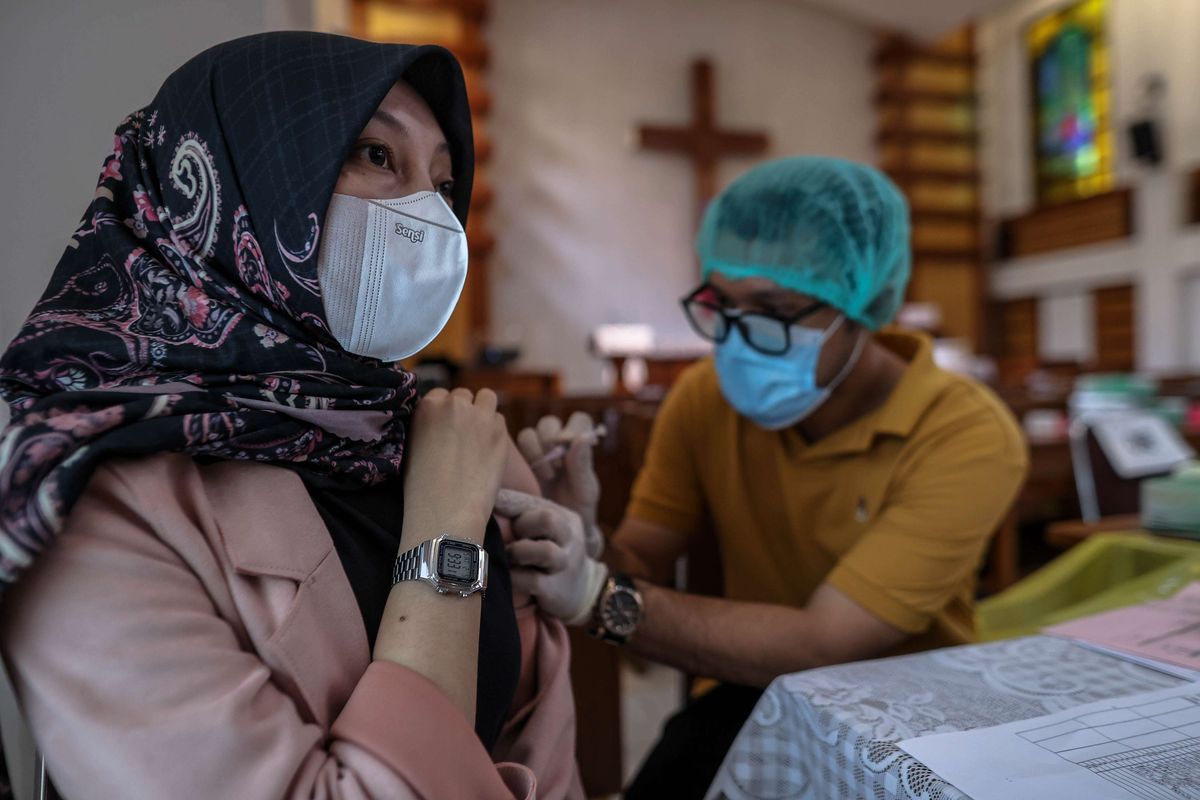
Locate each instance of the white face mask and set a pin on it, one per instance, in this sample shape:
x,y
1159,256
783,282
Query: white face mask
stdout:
x,y
391,272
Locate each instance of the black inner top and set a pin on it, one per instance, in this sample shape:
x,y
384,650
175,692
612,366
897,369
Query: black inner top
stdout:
x,y
365,522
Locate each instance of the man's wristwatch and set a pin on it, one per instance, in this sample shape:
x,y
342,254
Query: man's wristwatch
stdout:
x,y
447,564
618,611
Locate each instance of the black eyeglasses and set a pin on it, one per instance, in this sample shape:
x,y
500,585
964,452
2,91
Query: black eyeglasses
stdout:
x,y
767,334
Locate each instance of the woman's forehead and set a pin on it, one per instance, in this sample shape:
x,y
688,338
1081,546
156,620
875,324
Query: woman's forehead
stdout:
x,y
403,104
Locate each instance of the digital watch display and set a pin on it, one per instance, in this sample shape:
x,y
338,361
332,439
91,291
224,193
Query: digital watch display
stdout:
x,y
450,565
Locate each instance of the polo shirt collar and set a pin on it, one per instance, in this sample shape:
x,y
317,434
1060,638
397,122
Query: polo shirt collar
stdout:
x,y
920,385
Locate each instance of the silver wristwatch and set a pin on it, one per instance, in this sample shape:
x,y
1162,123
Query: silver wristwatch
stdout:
x,y
447,564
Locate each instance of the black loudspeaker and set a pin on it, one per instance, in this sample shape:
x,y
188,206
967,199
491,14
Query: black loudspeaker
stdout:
x,y
1145,141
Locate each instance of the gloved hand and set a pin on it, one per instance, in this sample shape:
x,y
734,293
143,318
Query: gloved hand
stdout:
x,y
548,558
570,481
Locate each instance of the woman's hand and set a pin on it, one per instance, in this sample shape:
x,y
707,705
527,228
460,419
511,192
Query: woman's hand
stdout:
x,y
457,449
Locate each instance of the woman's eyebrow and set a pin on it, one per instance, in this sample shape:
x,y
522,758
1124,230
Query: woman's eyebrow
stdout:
x,y
391,120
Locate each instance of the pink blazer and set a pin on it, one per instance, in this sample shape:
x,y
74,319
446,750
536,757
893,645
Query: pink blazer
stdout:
x,y
193,635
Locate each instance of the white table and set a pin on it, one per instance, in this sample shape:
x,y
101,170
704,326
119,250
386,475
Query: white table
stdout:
x,y
830,733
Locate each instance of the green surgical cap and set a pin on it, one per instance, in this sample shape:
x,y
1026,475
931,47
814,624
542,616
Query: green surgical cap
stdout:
x,y
832,229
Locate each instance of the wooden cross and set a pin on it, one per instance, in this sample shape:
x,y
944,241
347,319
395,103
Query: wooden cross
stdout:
x,y
702,140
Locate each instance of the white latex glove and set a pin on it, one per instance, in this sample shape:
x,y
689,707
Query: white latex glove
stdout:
x,y
570,481
548,558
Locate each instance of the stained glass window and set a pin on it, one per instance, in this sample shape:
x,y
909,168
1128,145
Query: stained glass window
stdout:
x,y
1068,53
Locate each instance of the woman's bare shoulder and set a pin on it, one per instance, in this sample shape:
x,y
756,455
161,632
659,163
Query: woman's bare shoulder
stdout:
x,y
517,474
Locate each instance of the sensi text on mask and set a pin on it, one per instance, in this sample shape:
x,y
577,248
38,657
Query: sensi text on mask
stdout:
x,y
413,235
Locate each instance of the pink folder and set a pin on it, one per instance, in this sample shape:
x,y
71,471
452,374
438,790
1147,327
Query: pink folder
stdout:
x,y
1163,630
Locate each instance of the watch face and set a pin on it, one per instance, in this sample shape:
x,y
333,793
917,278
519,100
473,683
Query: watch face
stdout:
x,y
621,613
458,562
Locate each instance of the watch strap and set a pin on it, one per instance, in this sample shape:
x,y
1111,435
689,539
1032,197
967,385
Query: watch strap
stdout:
x,y
598,628
407,566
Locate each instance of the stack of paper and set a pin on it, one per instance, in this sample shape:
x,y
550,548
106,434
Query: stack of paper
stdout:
x,y
1145,747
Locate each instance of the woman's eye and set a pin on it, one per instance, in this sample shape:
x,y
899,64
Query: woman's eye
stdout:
x,y
377,154
446,188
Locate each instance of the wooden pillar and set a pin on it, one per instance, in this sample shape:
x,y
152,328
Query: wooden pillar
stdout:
x,y
928,144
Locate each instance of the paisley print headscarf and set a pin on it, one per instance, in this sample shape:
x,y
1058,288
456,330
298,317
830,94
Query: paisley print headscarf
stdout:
x,y
185,314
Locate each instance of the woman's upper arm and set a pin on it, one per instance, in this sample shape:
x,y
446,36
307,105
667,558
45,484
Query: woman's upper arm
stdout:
x,y
517,474
518,477
135,686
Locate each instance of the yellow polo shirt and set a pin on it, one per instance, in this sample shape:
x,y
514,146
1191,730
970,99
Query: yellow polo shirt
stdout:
x,y
895,510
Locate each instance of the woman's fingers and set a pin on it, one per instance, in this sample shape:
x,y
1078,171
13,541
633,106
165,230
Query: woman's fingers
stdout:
x,y
486,400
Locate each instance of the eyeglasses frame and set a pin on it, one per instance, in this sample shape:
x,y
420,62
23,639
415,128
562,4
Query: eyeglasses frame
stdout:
x,y
734,316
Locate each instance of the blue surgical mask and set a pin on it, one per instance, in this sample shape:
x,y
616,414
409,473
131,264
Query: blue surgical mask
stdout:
x,y
776,392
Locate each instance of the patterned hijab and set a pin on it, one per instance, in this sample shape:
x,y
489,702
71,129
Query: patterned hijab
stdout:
x,y
185,314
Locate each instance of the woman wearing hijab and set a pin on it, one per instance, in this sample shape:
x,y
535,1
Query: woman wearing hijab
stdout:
x,y
220,497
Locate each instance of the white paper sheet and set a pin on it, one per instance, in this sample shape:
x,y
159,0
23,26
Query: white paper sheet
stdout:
x,y
1144,747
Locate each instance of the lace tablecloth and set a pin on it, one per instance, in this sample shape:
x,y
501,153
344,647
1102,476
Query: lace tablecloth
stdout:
x,y
831,733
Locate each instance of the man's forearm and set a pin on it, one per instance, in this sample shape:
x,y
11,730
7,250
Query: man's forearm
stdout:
x,y
736,642
628,560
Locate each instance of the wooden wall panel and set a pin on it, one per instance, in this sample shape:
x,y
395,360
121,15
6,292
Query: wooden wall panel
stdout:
x,y
1016,342
1115,332
936,195
1115,344
946,282
928,144
1105,217
939,155
945,235
1195,195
